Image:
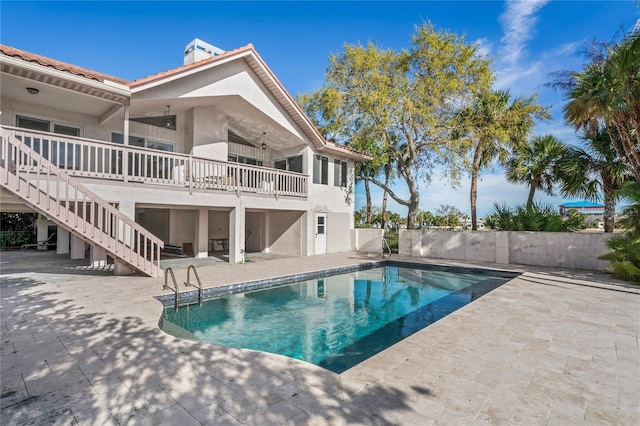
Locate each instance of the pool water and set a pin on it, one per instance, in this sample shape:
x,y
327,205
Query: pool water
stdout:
x,y
334,321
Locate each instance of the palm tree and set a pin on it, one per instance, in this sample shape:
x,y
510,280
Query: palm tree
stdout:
x,y
494,125
605,93
536,165
594,170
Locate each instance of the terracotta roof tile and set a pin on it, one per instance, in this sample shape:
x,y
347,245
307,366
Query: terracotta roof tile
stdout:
x,y
187,67
348,148
58,65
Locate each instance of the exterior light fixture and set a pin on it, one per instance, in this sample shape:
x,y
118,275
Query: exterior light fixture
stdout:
x,y
264,135
168,124
33,90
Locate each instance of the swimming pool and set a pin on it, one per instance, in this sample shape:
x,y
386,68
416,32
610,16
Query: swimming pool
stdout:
x,y
334,321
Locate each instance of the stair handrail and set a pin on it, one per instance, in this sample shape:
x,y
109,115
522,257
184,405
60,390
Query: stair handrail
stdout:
x,y
31,156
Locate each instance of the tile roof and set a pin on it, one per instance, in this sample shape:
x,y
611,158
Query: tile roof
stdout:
x,y
188,67
58,65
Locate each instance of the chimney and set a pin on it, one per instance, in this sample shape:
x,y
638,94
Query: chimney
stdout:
x,y
198,50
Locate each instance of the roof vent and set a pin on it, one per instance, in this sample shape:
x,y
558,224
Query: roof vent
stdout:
x,y
198,50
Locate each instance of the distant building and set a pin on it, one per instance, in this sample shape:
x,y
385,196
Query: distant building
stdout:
x,y
593,211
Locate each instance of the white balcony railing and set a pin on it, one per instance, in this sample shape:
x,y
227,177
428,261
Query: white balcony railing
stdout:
x,y
106,160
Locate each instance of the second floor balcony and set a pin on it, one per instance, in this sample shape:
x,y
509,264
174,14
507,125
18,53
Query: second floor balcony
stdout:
x,y
111,161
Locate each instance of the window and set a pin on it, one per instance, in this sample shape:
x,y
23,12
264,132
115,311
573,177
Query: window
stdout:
x,y
321,170
60,153
244,160
46,126
292,164
340,173
66,130
32,124
142,142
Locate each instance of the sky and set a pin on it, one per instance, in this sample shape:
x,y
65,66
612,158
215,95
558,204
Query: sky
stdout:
x,y
528,40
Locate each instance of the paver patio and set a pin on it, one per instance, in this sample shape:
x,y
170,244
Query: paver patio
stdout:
x,y
84,347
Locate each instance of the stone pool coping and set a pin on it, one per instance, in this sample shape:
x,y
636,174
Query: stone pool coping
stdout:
x,y
548,347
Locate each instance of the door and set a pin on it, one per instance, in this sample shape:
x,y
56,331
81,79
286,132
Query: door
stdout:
x,y
321,233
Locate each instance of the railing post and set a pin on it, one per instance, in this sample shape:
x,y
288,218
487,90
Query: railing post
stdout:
x,y
189,175
238,179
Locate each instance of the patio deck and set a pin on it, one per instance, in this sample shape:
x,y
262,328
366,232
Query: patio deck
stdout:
x,y
83,347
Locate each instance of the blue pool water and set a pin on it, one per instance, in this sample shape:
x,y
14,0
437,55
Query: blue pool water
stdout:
x,y
332,321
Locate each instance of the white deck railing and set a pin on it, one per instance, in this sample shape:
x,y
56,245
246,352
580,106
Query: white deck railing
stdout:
x,y
107,160
55,194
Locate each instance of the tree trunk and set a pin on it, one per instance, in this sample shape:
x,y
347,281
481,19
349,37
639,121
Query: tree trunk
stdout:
x,y
532,192
387,177
609,206
369,211
474,186
414,202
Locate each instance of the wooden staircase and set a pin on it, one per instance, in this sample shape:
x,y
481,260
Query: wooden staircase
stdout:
x,y
69,204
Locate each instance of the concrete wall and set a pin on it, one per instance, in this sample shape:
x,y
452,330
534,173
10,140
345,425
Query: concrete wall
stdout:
x,y
556,249
285,232
367,240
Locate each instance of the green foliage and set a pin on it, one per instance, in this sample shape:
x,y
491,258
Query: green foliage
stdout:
x,y
400,106
624,257
536,217
605,93
492,126
624,254
592,170
536,164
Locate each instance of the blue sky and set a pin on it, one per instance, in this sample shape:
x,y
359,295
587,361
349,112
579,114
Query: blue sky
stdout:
x,y
131,40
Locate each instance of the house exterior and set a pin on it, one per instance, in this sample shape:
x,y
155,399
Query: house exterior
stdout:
x,y
593,211
214,154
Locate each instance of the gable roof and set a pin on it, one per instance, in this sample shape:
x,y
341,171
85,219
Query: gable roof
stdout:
x,y
246,53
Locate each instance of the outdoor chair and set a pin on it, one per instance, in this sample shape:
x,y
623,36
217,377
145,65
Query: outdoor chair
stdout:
x,y
41,245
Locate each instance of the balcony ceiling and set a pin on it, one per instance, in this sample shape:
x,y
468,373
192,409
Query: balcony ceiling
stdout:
x,y
52,96
243,117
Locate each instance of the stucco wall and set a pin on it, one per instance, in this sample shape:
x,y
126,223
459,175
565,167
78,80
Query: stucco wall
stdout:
x,y
286,232
367,240
556,249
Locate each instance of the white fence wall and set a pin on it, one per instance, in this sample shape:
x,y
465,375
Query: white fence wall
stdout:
x,y
367,240
557,249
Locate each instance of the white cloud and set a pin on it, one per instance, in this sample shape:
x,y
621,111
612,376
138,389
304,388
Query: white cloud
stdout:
x,y
485,47
517,22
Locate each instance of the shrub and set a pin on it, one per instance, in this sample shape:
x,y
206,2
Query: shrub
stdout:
x,y
535,218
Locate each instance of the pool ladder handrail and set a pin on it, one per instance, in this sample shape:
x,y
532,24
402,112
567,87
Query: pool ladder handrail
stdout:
x,y
385,244
189,283
169,271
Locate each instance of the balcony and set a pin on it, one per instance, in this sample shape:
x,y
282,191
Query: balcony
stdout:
x,y
105,160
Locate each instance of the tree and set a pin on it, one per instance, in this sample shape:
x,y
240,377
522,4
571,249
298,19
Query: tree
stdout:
x,y
493,125
403,104
605,94
536,164
593,170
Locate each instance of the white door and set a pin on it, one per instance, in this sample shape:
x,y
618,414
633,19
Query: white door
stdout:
x,y
321,233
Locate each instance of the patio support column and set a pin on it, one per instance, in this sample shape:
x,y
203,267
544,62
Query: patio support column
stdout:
x,y
125,131
201,238
42,230
267,241
62,245
77,247
236,235
98,257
